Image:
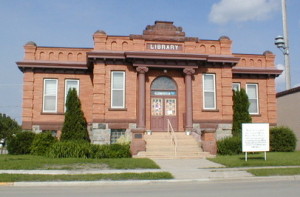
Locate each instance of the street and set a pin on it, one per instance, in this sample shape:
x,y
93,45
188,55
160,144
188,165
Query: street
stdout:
x,y
191,189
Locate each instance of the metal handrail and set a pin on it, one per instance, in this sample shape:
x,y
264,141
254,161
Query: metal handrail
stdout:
x,y
173,136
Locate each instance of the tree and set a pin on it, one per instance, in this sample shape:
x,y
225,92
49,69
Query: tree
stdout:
x,y
75,126
240,111
8,126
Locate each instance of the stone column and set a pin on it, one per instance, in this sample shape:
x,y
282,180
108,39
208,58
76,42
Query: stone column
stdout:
x,y
141,97
188,98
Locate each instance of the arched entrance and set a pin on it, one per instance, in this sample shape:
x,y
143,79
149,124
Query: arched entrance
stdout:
x,y
163,104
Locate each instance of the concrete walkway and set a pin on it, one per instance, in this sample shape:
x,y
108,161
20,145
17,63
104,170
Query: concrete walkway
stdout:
x,y
184,169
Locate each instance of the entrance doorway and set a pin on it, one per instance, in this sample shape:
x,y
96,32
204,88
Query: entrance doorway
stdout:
x,y
163,104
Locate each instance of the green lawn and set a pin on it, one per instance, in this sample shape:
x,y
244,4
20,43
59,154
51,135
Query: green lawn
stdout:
x,y
257,159
85,177
30,162
275,171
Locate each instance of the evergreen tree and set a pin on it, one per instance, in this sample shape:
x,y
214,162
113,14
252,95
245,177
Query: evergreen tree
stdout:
x,y
8,126
75,126
240,111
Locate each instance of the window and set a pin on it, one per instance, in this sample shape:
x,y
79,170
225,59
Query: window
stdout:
x,y
252,92
116,134
118,89
236,86
209,91
50,95
70,84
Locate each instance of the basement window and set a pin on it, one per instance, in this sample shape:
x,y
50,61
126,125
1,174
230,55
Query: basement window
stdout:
x,y
116,134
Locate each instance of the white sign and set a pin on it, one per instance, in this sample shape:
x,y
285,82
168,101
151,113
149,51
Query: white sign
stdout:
x,y
255,137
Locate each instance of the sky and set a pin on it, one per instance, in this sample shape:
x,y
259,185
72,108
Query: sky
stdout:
x,y
252,25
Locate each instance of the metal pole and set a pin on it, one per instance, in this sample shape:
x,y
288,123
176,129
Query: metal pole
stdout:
x,y
286,49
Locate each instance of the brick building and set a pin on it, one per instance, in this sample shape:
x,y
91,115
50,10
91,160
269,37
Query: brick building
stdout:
x,y
138,83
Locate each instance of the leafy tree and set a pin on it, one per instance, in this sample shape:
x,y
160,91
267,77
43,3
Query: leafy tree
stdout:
x,y
75,126
240,111
8,126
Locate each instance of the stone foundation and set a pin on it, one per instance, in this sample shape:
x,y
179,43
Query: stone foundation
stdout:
x,y
100,133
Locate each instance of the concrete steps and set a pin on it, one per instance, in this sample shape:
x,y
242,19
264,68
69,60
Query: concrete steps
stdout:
x,y
160,146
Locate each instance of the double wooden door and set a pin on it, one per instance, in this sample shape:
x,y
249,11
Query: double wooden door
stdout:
x,y
162,110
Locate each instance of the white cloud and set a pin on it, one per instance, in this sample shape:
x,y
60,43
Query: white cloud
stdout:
x,y
242,10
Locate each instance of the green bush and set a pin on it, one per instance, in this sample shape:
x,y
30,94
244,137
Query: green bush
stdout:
x,y
80,149
111,151
20,143
230,146
41,143
282,139
70,149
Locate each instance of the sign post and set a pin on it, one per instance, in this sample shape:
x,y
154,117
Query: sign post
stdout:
x,y
255,138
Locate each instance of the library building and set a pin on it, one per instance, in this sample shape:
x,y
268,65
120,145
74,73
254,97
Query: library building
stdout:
x,y
169,94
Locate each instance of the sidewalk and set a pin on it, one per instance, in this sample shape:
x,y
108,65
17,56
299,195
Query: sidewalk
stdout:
x,y
182,169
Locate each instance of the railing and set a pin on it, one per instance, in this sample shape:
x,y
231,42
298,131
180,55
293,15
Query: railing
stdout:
x,y
173,136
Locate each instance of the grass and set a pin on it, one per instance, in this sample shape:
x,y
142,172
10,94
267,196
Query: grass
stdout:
x,y
257,159
275,171
85,177
30,162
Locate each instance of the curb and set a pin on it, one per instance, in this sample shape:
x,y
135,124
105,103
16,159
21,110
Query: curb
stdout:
x,y
141,182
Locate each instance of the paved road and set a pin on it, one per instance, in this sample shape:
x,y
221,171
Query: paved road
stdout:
x,y
180,189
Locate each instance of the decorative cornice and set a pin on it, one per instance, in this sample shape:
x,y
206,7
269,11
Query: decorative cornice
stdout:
x,y
52,64
106,55
257,71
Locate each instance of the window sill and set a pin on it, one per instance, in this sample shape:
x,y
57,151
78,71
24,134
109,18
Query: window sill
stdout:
x,y
117,109
210,110
255,115
52,113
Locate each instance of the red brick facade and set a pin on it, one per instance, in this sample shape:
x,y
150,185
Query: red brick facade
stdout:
x,y
162,50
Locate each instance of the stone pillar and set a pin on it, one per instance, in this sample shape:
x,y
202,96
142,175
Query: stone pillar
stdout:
x,y
141,97
188,98
138,142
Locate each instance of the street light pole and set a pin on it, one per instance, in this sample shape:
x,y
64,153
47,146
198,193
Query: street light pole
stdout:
x,y
286,48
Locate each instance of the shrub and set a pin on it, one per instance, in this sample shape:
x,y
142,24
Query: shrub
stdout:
x,y
75,126
123,140
70,149
282,139
41,143
80,149
20,143
230,146
240,111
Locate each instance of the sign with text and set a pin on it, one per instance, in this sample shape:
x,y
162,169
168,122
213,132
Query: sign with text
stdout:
x,y
159,46
255,137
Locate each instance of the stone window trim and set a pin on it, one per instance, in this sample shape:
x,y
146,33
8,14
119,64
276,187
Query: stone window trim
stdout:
x,y
210,110
117,109
48,93
213,91
52,113
114,90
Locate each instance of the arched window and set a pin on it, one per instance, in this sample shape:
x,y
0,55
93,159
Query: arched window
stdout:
x,y
163,86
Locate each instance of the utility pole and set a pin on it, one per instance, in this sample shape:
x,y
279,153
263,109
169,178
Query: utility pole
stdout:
x,y
286,43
